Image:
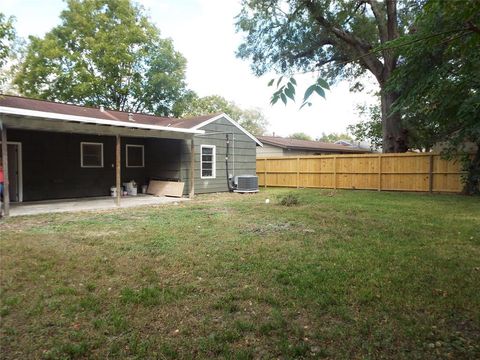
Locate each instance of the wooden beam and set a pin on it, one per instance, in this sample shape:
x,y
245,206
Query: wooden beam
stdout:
x,y
298,172
6,188
430,174
379,173
335,173
265,176
192,169
117,169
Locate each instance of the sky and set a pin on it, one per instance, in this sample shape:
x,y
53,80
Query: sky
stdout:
x,y
204,32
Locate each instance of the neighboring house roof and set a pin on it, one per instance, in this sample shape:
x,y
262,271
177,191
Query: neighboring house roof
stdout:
x,y
295,144
17,105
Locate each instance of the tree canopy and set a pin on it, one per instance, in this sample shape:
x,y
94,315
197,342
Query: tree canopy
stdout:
x,y
332,137
104,52
439,81
7,37
337,39
251,119
300,136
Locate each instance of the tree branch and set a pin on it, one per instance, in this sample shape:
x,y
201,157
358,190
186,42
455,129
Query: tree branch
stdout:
x,y
380,18
358,45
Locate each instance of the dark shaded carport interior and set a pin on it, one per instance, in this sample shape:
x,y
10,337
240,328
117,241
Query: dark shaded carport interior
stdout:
x,y
51,167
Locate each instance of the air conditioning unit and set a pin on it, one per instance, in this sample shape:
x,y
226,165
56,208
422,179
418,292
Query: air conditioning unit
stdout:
x,y
245,183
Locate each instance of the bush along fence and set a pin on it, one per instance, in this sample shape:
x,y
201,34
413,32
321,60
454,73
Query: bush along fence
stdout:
x,y
426,172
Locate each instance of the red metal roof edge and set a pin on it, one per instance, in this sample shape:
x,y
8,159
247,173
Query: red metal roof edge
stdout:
x,y
26,103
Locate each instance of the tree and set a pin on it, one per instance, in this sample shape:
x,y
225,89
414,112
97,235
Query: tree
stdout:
x,y
336,38
104,52
251,119
369,129
334,137
7,38
439,81
300,136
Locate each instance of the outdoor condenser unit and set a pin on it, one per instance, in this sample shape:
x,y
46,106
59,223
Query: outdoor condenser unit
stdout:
x,y
245,183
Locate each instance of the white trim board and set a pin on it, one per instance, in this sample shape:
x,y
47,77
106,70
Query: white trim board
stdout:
x,y
214,161
215,118
89,120
81,155
126,155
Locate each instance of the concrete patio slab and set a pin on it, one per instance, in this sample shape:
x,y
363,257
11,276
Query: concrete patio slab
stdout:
x,y
88,204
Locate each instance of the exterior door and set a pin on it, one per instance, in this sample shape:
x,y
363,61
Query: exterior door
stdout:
x,y
14,171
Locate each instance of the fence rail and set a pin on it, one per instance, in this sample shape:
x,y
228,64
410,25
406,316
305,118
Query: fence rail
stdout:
x,y
426,172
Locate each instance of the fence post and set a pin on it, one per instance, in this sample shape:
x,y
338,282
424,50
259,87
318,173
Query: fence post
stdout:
x,y
335,173
430,175
379,172
265,174
298,172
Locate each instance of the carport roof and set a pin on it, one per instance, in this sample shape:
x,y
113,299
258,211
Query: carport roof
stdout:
x,y
22,106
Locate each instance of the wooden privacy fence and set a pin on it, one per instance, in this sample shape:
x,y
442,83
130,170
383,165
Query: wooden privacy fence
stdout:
x,y
401,172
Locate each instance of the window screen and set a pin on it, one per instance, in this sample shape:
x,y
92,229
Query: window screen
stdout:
x,y
91,154
135,156
208,161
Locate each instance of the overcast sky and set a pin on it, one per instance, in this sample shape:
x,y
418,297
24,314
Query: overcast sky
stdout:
x,y
204,32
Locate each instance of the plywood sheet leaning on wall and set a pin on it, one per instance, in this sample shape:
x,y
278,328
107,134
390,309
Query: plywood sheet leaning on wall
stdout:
x,y
165,188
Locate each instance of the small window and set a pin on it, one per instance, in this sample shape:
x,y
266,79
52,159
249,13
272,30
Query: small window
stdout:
x,y
207,164
91,155
135,156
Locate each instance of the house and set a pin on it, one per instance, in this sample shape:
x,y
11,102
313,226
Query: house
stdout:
x,y
60,151
278,146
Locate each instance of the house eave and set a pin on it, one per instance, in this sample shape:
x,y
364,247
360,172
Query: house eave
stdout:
x,y
56,117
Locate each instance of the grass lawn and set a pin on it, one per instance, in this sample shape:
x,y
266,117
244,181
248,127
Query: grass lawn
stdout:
x,y
351,274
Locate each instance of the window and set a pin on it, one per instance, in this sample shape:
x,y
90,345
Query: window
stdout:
x,y
207,163
91,155
135,156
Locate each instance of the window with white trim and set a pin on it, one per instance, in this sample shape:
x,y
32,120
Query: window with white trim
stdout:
x,y
207,162
91,155
135,156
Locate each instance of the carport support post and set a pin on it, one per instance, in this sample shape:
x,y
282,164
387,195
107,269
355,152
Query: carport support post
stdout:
x,y
192,169
6,188
117,169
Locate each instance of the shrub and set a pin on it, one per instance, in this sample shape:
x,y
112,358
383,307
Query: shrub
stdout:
x,y
289,200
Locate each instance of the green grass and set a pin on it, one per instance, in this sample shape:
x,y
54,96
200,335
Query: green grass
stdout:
x,y
343,275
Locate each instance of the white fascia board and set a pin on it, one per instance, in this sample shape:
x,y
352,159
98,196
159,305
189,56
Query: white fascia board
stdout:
x,y
215,118
90,120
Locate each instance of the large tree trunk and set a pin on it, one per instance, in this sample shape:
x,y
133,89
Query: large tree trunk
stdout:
x,y
394,135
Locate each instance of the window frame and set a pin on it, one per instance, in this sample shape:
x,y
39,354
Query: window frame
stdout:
x,y
126,155
81,155
214,161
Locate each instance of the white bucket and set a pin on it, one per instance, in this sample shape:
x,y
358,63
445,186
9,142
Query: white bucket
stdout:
x,y
113,191
130,188
144,189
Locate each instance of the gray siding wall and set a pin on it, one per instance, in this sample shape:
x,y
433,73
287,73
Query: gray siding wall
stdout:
x,y
242,159
269,150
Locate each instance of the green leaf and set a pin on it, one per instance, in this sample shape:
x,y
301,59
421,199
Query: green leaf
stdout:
x,y
274,99
309,92
320,91
290,92
323,83
270,83
284,98
306,103
291,87
293,81
279,80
